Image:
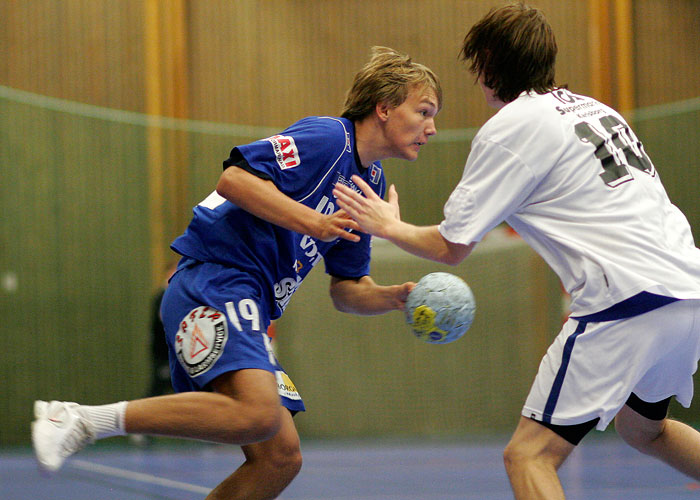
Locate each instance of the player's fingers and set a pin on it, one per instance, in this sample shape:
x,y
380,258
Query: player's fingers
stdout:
x,y
347,191
393,195
349,236
342,214
347,222
368,191
340,188
394,200
346,196
406,289
348,206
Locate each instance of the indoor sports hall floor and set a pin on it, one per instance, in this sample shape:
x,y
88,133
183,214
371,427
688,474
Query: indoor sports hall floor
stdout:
x,y
603,468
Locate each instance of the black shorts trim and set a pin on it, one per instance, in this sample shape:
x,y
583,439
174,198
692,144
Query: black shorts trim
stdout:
x,y
572,433
652,411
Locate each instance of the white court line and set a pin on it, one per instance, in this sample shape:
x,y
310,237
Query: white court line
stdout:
x,y
137,476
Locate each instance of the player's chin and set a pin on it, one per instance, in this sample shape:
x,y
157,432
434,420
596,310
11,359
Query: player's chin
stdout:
x,y
412,153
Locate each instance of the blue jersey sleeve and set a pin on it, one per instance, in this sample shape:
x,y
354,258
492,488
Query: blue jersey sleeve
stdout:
x,y
300,157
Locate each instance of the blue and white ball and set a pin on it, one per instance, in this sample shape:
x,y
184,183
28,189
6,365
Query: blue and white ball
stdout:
x,y
440,309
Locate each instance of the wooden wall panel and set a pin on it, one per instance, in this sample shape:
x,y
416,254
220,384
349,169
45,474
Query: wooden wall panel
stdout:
x,y
275,61
667,45
86,50
269,62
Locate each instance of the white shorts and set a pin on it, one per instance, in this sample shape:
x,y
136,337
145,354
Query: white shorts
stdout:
x,y
592,368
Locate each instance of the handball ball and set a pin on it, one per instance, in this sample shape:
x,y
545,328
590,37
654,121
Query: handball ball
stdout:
x,y
440,309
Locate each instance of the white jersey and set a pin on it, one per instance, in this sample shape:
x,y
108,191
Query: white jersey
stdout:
x,y
569,175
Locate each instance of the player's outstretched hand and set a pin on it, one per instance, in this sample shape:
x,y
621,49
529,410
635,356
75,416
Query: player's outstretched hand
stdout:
x,y
373,214
335,226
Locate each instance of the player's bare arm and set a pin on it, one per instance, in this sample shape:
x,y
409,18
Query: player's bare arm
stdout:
x,y
381,218
262,198
365,297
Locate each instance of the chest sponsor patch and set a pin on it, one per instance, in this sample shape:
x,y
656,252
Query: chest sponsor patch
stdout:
x,y
200,340
286,152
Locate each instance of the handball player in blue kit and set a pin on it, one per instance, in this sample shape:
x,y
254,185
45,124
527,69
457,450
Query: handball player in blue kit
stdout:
x,y
250,244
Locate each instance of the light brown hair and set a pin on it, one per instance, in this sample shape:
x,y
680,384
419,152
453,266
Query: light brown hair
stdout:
x,y
388,77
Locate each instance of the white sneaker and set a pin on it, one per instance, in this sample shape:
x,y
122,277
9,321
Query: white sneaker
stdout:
x,y
58,432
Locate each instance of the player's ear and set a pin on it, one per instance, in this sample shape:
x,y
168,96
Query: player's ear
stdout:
x,y
382,109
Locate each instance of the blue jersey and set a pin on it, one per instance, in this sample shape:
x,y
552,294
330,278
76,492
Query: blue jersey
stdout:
x,y
305,161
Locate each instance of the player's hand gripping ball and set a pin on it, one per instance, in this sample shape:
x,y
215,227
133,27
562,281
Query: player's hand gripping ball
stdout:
x,y
440,309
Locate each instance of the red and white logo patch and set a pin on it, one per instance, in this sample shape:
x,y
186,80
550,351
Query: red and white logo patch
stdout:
x,y
375,174
286,152
200,340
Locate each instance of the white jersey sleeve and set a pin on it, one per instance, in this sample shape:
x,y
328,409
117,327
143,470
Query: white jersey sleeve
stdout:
x,y
495,182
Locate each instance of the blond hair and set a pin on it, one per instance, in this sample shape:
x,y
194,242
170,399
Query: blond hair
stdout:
x,y
388,77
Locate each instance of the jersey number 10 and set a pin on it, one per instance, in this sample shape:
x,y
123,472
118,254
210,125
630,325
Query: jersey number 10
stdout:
x,y
617,148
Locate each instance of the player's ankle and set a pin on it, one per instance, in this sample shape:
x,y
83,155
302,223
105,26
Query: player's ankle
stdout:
x,y
106,420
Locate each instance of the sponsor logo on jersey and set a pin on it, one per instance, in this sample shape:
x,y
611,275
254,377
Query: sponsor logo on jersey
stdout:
x,y
284,289
200,340
347,182
566,96
285,386
580,105
375,174
286,152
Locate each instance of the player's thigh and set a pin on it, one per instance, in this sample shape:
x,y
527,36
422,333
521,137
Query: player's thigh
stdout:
x,y
252,386
636,429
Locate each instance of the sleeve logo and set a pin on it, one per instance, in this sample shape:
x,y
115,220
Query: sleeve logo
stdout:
x,y
286,152
375,174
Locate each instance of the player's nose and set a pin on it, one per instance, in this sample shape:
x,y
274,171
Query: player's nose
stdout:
x,y
430,128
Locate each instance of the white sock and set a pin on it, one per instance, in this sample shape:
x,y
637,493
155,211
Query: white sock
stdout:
x,y
107,420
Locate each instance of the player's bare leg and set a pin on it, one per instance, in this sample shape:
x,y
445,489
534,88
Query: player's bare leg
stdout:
x,y
532,458
244,409
269,467
673,442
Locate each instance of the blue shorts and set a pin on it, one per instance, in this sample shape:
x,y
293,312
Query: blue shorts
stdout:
x,y
215,322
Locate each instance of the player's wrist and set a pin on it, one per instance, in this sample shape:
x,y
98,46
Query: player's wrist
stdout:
x,y
393,231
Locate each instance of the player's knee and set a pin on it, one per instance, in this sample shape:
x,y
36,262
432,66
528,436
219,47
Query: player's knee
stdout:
x,y
515,455
263,421
287,461
284,460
